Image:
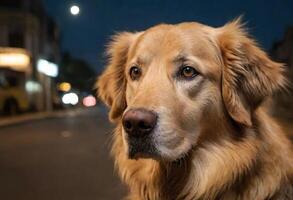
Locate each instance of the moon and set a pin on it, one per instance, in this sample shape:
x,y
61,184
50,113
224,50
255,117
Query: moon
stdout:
x,y
74,10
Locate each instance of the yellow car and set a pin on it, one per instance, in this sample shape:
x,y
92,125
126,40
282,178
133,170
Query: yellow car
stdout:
x,y
13,96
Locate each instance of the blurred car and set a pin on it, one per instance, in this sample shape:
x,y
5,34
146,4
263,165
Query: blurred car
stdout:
x,y
13,96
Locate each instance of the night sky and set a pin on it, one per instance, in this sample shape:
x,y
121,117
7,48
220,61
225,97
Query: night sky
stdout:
x,y
86,35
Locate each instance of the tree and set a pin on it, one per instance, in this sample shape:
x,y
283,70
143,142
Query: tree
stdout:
x,y
77,72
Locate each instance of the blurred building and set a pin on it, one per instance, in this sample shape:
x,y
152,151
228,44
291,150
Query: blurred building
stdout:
x,y
29,55
282,51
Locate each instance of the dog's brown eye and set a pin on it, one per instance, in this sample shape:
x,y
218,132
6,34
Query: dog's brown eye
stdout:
x,y
188,72
135,73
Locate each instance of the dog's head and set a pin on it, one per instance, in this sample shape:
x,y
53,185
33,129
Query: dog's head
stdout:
x,y
172,86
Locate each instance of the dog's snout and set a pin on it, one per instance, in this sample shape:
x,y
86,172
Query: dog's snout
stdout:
x,y
139,122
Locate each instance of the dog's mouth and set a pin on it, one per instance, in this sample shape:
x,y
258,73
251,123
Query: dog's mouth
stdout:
x,y
141,148
139,153
145,148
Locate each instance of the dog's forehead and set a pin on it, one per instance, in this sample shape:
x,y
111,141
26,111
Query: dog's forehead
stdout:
x,y
171,40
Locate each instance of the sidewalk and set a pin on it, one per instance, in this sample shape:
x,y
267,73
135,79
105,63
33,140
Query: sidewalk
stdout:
x,y
6,121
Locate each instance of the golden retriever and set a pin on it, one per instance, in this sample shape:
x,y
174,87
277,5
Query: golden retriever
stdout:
x,y
187,102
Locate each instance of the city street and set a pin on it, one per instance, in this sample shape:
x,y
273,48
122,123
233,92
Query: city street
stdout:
x,y
56,56
59,158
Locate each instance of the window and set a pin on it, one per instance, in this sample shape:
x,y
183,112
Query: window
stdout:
x,y
16,39
10,3
12,81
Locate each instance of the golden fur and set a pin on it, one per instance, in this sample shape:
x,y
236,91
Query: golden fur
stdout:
x,y
215,140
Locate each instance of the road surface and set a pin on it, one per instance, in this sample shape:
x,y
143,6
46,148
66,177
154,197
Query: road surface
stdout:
x,y
62,158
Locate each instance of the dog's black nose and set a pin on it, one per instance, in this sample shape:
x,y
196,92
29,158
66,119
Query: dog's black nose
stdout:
x,y
139,122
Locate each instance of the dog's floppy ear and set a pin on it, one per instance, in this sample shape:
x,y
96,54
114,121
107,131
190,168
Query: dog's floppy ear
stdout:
x,y
112,83
248,75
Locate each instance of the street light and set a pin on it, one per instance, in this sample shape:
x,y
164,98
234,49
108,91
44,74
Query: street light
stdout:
x,y
74,10
64,87
47,68
14,58
70,98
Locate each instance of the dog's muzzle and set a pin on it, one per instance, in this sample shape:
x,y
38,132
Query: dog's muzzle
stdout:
x,y
139,124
